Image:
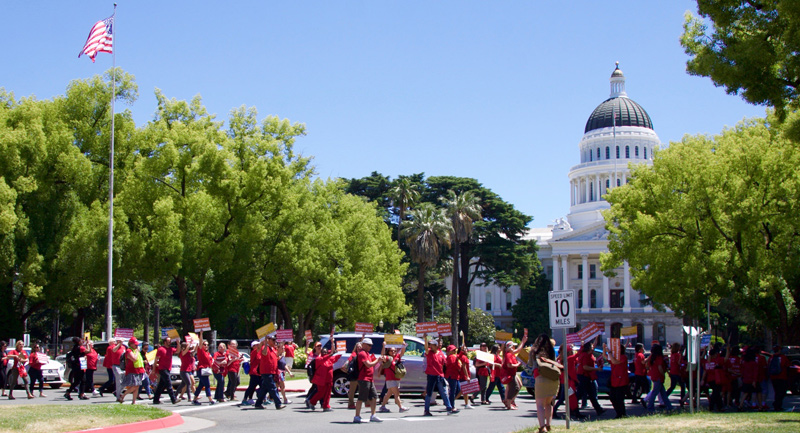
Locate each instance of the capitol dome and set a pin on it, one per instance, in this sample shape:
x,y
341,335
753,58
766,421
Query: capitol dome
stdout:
x,y
626,111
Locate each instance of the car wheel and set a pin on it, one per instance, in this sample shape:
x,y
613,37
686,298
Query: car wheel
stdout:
x,y
531,391
55,385
341,386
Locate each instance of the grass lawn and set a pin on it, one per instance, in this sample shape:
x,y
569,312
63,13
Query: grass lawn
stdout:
x,y
64,418
699,423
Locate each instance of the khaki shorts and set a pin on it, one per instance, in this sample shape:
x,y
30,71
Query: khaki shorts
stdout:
x,y
366,391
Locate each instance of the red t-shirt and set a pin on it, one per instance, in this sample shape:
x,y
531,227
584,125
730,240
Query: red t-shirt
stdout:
x,y
619,372
364,372
638,365
289,347
462,376
19,364
711,371
656,374
187,361
497,370
113,356
269,361
749,372
255,360
203,358
587,359
763,371
389,372
33,361
482,370
509,369
323,373
723,378
435,363
164,355
734,366
220,362
234,361
675,364
451,367
572,365
91,360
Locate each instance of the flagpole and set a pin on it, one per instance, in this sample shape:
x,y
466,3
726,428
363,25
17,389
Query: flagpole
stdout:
x,y
111,179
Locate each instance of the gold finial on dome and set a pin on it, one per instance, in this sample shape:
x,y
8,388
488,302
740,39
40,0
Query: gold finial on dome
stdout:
x,y
617,72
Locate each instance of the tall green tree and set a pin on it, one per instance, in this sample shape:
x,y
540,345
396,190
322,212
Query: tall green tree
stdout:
x,y
715,219
426,231
404,194
749,48
462,209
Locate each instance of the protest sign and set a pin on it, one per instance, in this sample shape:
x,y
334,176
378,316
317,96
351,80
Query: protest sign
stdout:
x,y
628,332
265,330
284,335
341,346
364,328
151,356
123,333
309,336
393,340
192,338
443,329
201,325
614,347
470,386
429,328
573,339
501,337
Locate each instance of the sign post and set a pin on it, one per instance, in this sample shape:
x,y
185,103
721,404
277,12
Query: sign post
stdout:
x,y
562,315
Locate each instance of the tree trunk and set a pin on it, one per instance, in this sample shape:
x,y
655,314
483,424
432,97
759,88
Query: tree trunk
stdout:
x,y
146,320
454,305
421,294
463,290
286,318
783,317
184,301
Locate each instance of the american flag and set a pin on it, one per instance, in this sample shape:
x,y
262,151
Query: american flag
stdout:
x,y
100,40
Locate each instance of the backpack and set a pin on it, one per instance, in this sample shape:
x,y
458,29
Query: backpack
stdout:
x,y
352,369
775,366
399,369
311,368
122,360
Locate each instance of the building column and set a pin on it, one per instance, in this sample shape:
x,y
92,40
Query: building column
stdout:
x,y
585,282
564,272
556,275
586,188
627,286
606,295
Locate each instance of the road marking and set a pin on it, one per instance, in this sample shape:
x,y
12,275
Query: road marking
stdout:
x,y
206,406
418,419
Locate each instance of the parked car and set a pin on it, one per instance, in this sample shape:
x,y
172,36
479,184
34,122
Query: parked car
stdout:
x,y
415,379
101,375
52,371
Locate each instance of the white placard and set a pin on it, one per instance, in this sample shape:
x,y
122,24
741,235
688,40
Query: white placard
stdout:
x,y
562,309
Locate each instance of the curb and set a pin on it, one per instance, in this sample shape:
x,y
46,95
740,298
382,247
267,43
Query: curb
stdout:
x,y
135,427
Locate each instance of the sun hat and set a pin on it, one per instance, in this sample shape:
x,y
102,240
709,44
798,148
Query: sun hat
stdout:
x,y
367,341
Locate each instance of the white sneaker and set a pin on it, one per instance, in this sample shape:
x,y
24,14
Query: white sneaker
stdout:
x,y
357,420
374,418
287,402
384,409
404,409
468,406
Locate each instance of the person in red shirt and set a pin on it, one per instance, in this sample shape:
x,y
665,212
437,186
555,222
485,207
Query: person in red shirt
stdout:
x,y
483,371
323,377
268,368
186,355
749,375
587,376
3,365
108,362
463,374
234,365
710,373
642,384
435,360
91,367
203,373
392,381
618,381
675,371
496,376
219,367
572,365
163,364
452,371
35,369
763,377
353,384
779,375
255,376
134,371
733,366
510,365
288,348
656,371
366,386
17,359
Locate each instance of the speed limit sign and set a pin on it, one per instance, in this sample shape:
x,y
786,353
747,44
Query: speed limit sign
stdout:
x,y
562,309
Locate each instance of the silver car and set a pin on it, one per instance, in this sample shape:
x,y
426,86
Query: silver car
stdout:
x,y
52,371
415,379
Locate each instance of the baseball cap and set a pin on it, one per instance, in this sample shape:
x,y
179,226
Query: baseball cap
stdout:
x,y
255,343
451,347
510,344
367,341
133,342
434,342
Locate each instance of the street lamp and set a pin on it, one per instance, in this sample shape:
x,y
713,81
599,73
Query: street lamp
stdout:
x,y
432,304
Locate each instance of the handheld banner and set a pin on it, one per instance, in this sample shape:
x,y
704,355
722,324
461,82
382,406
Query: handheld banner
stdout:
x,y
364,328
309,336
284,335
502,337
265,330
123,333
171,333
628,332
614,347
86,336
484,356
429,328
151,356
573,339
444,329
83,363
393,340
470,386
192,338
201,325
341,346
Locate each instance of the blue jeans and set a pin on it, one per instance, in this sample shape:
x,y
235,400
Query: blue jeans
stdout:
x,y
658,390
268,386
218,394
203,383
500,388
439,383
146,386
455,388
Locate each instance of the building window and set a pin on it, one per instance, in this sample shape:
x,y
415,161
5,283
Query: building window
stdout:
x,y
617,298
593,299
660,333
508,301
617,152
608,152
608,184
591,191
488,300
550,271
627,151
580,298
645,153
580,272
592,271
590,154
598,153
619,182
636,151
639,333
616,330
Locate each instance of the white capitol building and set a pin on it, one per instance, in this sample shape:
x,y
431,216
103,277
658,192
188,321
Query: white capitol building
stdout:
x,y
619,131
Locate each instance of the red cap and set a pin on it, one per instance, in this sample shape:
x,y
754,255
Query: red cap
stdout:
x,y
133,342
451,347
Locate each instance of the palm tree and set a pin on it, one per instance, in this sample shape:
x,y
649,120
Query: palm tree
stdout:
x,y
462,209
427,229
404,195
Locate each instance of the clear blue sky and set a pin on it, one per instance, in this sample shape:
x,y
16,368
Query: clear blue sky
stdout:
x,y
499,91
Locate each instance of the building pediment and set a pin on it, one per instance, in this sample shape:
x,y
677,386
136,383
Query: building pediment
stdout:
x,y
592,232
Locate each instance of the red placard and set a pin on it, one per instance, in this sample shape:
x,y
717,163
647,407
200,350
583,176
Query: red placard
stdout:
x,y
123,333
309,336
614,347
284,335
364,328
341,346
444,329
470,386
573,339
201,325
429,328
